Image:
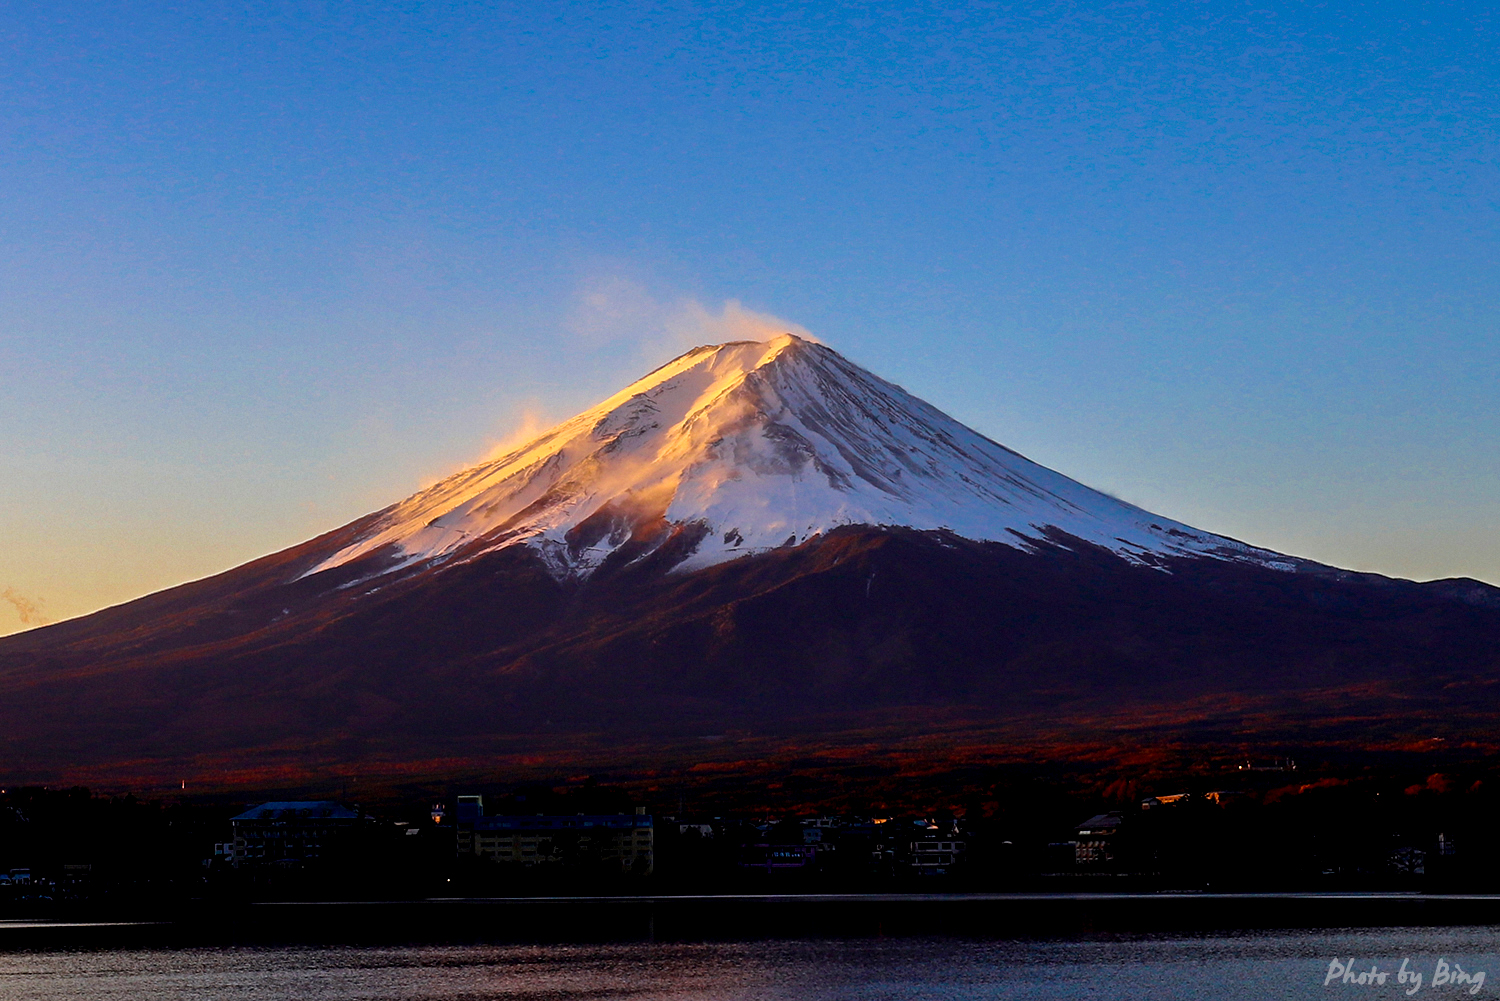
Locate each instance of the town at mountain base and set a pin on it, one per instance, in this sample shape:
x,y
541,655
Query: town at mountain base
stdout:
x,y
626,588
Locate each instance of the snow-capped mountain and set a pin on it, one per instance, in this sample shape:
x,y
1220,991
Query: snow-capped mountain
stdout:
x,y
755,538
740,448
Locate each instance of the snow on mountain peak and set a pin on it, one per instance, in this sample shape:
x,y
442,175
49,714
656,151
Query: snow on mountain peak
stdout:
x,y
739,448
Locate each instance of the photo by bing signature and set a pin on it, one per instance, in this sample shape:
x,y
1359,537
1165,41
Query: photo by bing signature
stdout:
x,y
1445,974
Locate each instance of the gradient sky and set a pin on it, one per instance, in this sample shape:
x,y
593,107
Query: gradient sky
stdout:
x,y
267,267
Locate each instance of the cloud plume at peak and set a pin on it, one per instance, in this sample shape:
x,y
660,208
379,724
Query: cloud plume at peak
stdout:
x,y
733,322
619,310
29,611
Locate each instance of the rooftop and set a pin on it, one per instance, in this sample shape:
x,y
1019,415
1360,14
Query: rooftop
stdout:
x,y
323,809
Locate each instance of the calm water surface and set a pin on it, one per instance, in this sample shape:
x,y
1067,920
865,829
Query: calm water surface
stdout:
x,y
1254,965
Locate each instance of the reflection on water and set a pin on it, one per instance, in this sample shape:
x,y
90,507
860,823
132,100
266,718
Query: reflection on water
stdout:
x,y
1253,965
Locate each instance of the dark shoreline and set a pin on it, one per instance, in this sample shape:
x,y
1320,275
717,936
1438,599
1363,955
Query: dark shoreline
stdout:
x,y
740,917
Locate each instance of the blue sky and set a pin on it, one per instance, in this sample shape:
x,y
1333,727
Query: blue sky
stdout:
x,y
266,267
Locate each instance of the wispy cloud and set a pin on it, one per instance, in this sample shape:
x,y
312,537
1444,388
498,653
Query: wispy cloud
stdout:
x,y
532,421
609,308
617,310
29,610
615,320
698,324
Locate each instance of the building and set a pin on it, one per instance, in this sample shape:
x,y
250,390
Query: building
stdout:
x,y
293,833
624,840
934,856
777,858
1097,841
1166,799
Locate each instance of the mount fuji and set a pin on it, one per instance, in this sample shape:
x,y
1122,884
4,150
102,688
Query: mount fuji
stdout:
x,y
756,538
741,448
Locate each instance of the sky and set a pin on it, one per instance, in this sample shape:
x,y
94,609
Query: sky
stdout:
x,y
267,267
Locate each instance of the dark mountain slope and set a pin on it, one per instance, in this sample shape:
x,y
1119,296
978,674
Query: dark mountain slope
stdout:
x,y
802,639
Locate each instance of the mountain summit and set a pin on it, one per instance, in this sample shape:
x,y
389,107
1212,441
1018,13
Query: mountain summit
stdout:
x,y
741,448
758,538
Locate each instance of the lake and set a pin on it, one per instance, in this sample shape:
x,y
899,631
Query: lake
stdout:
x,y
1253,965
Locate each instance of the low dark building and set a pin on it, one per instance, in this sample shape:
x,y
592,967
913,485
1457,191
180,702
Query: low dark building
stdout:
x,y
776,858
935,854
623,840
1096,844
293,833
